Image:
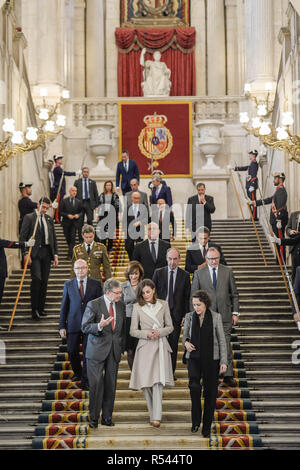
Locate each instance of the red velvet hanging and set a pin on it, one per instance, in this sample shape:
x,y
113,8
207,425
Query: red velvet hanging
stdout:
x,y
177,48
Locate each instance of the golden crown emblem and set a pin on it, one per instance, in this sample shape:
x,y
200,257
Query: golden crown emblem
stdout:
x,y
155,120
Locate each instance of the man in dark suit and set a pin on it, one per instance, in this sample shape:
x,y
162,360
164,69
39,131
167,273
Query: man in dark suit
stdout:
x,y
104,320
134,220
297,294
160,191
43,252
128,169
199,210
173,284
196,253
219,282
87,193
151,253
3,261
77,293
164,216
293,229
71,211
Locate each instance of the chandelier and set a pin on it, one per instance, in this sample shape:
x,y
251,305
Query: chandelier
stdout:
x,y
280,138
50,124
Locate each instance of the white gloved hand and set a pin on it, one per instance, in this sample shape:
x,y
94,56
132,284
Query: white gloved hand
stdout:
x,y
278,224
55,204
30,243
274,240
251,189
248,201
78,172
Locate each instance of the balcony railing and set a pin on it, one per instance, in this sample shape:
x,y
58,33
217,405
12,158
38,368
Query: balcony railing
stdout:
x,y
86,110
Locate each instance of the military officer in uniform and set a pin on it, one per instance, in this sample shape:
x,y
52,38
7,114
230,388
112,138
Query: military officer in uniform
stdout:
x,y
251,180
94,253
25,204
59,173
278,213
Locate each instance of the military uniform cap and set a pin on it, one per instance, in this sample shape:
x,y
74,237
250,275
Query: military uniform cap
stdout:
x,y
253,152
56,157
24,185
280,174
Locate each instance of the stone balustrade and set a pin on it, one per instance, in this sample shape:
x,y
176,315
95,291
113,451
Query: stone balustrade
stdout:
x,y
83,111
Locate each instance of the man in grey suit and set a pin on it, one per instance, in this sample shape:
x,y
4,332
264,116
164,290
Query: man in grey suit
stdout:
x,y
219,282
104,322
134,184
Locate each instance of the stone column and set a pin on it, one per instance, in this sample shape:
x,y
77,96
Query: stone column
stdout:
x,y
232,48
259,40
198,21
112,21
216,62
95,50
78,78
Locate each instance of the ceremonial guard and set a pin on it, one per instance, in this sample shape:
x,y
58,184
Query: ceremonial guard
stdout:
x,y
25,204
94,253
278,213
251,180
3,262
59,173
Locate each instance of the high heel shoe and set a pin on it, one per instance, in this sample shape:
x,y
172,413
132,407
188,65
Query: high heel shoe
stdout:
x,y
156,424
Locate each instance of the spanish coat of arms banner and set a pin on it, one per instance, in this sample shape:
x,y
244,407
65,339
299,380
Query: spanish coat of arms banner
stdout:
x,y
158,136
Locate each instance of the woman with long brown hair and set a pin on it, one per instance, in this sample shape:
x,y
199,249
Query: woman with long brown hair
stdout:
x,y
108,215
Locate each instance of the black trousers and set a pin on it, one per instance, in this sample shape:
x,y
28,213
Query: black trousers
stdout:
x,y
129,246
70,230
173,339
295,261
40,270
2,284
196,371
87,209
73,345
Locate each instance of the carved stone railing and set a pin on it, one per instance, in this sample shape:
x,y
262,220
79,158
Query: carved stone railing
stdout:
x,y
86,110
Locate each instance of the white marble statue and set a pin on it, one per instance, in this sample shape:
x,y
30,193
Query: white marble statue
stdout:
x,y
156,76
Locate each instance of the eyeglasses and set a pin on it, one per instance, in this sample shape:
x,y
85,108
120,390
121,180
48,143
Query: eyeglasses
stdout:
x,y
213,259
81,268
117,293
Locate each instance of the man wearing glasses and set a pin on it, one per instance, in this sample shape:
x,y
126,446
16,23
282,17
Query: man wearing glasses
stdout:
x,y
77,293
219,282
104,322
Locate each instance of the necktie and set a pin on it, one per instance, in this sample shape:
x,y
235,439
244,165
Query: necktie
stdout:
x,y
72,201
81,289
86,192
204,252
134,211
160,216
111,314
88,249
171,291
153,253
43,231
214,278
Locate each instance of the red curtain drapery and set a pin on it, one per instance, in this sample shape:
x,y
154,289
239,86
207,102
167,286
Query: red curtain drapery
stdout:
x,y
177,48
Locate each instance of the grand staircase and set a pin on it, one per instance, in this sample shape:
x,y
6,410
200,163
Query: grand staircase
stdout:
x,y
41,407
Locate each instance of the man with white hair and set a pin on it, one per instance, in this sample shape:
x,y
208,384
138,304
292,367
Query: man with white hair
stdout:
x,y
219,282
104,321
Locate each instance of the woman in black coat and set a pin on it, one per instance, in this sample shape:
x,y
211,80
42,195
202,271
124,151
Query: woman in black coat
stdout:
x,y
206,356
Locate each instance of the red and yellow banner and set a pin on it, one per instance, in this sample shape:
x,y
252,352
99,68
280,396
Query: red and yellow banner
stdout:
x,y
158,135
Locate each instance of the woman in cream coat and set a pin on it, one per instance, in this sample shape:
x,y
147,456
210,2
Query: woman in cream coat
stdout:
x,y
152,367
